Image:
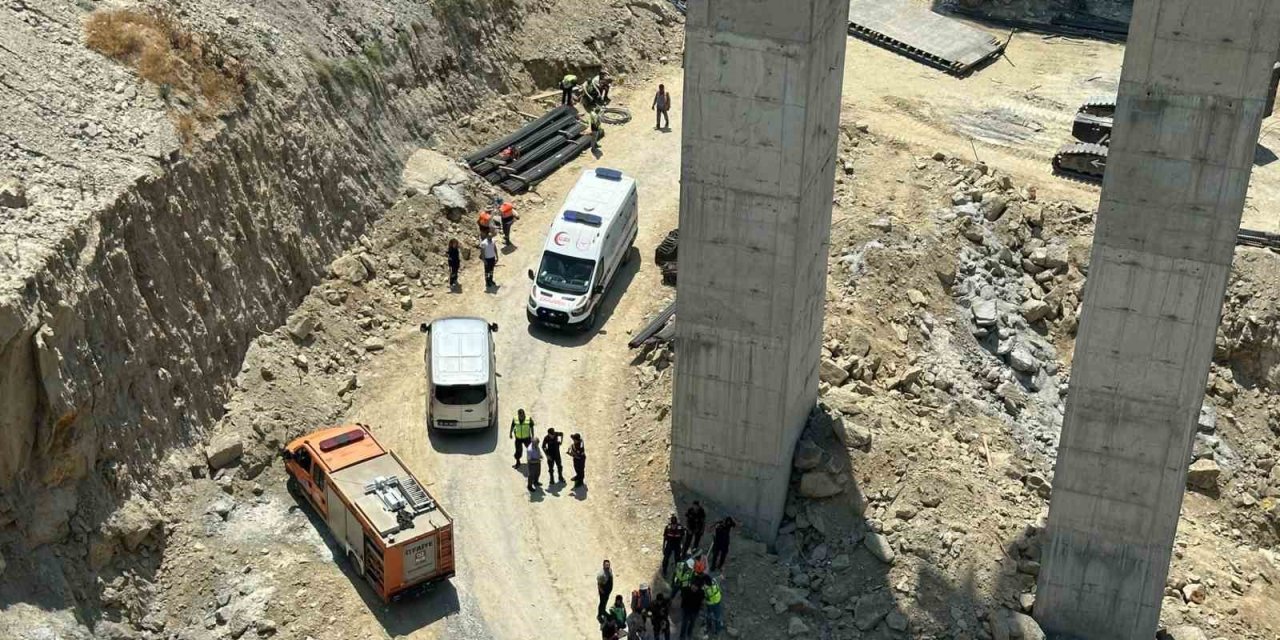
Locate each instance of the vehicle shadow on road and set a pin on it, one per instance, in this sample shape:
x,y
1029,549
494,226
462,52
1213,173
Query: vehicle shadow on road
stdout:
x,y
435,603
466,443
622,282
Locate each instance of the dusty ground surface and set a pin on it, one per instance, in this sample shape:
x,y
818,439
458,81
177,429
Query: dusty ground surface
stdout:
x,y
938,447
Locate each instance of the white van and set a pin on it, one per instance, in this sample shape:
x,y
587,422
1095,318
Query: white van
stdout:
x,y
462,381
589,239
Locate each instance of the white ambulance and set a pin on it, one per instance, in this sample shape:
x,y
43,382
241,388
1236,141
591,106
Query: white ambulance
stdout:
x,y
589,240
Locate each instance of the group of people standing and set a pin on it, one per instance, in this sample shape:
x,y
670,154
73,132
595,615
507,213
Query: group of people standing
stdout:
x,y
494,220
695,590
535,450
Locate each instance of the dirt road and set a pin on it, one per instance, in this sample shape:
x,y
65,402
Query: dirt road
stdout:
x,y
1015,113
528,562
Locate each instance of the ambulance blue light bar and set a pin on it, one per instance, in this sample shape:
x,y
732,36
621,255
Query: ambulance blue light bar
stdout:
x,y
584,218
608,174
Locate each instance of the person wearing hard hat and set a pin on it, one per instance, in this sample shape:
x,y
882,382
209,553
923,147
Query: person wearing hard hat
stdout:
x,y
509,218
567,85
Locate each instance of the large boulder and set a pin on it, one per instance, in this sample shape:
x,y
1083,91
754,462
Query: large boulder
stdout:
x,y
832,373
1203,474
223,450
1035,310
133,522
985,313
300,325
879,547
852,435
426,169
12,194
819,484
871,609
808,455
1184,632
350,268
843,401
1012,625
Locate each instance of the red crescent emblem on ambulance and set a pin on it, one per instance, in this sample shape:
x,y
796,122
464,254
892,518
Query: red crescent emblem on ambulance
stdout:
x,y
561,239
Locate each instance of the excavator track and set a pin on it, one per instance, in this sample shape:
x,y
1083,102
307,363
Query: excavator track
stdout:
x,y
1092,129
1083,161
1100,106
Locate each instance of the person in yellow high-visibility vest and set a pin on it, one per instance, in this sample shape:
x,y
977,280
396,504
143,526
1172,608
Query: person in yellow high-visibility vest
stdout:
x,y
714,613
522,432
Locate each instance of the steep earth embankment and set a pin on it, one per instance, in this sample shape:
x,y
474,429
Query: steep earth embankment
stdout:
x,y
142,248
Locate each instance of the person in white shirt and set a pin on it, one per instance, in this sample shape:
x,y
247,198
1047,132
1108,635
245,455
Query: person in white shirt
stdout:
x,y
533,456
488,254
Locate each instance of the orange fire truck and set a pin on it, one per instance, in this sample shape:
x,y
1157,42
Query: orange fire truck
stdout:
x,y
394,533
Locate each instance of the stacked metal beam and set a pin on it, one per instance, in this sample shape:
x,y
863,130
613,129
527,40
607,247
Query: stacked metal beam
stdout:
x,y
543,146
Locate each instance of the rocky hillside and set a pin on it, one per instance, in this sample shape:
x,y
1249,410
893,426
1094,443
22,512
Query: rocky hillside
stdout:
x,y
177,178
921,484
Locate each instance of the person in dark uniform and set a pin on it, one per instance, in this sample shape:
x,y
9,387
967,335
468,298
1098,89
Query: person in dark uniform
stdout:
x,y
578,454
659,617
720,542
691,596
695,520
604,587
672,539
455,262
551,447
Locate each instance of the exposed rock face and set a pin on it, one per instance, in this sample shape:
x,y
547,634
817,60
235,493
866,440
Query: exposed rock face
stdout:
x,y
126,308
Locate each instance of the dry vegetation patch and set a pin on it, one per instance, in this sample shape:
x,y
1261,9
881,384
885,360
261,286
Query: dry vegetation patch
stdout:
x,y
193,73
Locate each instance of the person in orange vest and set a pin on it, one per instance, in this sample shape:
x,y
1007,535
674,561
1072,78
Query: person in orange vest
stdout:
x,y
485,220
509,218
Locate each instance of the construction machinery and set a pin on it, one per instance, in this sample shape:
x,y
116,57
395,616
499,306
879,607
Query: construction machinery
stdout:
x,y
391,529
1087,159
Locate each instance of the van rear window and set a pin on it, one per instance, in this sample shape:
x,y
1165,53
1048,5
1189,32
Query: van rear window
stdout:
x,y
462,394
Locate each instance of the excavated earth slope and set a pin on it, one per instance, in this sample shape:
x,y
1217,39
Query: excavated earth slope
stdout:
x,y
138,261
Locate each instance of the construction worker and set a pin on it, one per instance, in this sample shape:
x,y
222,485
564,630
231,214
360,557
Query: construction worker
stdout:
x,y
509,218
597,131
454,255
672,539
489,255
534,467
484,221
567,85
662,105
599,86
695,520
684,573
522,431
604,587
711,599
659,617
578,453
551,447
720,542
509,155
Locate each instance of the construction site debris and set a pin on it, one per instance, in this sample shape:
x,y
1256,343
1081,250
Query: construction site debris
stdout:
x,y
918,33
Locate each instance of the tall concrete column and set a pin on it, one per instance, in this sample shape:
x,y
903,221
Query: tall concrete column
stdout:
x,y
761,119
1192,93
